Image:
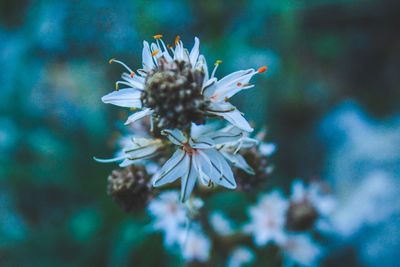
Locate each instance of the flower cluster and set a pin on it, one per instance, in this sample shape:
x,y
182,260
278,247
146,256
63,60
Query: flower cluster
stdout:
x,y
179,95
194,233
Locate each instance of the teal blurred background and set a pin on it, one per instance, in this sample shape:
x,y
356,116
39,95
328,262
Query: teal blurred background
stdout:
x,y
54,210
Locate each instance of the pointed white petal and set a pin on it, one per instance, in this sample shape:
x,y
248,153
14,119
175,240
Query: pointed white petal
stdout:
x,y
124,98
147,59
221,138
175,136
231,114
201,64
110,160
194,54
203,167
188,180
138,115
238,161
173,169
233,83
220,166
141,152
201,142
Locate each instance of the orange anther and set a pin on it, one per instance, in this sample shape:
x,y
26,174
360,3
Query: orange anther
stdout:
x,y
226,99
155,53
262,69
177,39
132,74
158,36
239,84
111,60
132,109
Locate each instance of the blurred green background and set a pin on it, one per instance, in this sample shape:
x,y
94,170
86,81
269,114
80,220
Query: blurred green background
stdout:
x,y
54,210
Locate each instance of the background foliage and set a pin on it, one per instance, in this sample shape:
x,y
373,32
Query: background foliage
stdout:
x,y
54,55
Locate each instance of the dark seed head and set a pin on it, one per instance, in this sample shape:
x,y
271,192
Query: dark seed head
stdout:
x,y
130,188
173,91
301,216
262,170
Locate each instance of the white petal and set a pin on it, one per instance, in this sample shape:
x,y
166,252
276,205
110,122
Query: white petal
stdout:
x,y
201,64
110,160
221,138
141,152
225,175
175,136
174,168
136,81
209,88
126,163
138,115
189,179
233,83
147,59
124,98
203,166
201,142
238,161
194,54
231,114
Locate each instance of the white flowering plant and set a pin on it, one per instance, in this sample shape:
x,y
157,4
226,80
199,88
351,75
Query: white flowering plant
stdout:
x,y
176,140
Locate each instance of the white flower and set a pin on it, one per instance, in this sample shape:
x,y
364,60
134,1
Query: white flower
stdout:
x,y
136,149
221,224
301,250
195,159
170,216
324,203
195,245
216,92
240,256
267,219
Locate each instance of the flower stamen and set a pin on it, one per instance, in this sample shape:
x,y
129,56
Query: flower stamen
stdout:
x,y
262,69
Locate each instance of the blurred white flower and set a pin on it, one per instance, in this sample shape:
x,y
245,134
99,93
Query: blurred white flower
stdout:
x,y
267,219
300,250
323,202
221,224
195,245
169,216
372,202
240,256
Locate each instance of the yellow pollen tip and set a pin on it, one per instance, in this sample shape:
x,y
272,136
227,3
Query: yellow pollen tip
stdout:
x,y
132,74
177,39
132,109
217,62
116,87
158,36
226,99
111,60
155,53
262,69
239,84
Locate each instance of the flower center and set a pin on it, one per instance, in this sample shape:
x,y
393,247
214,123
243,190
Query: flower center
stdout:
x,y
173,91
